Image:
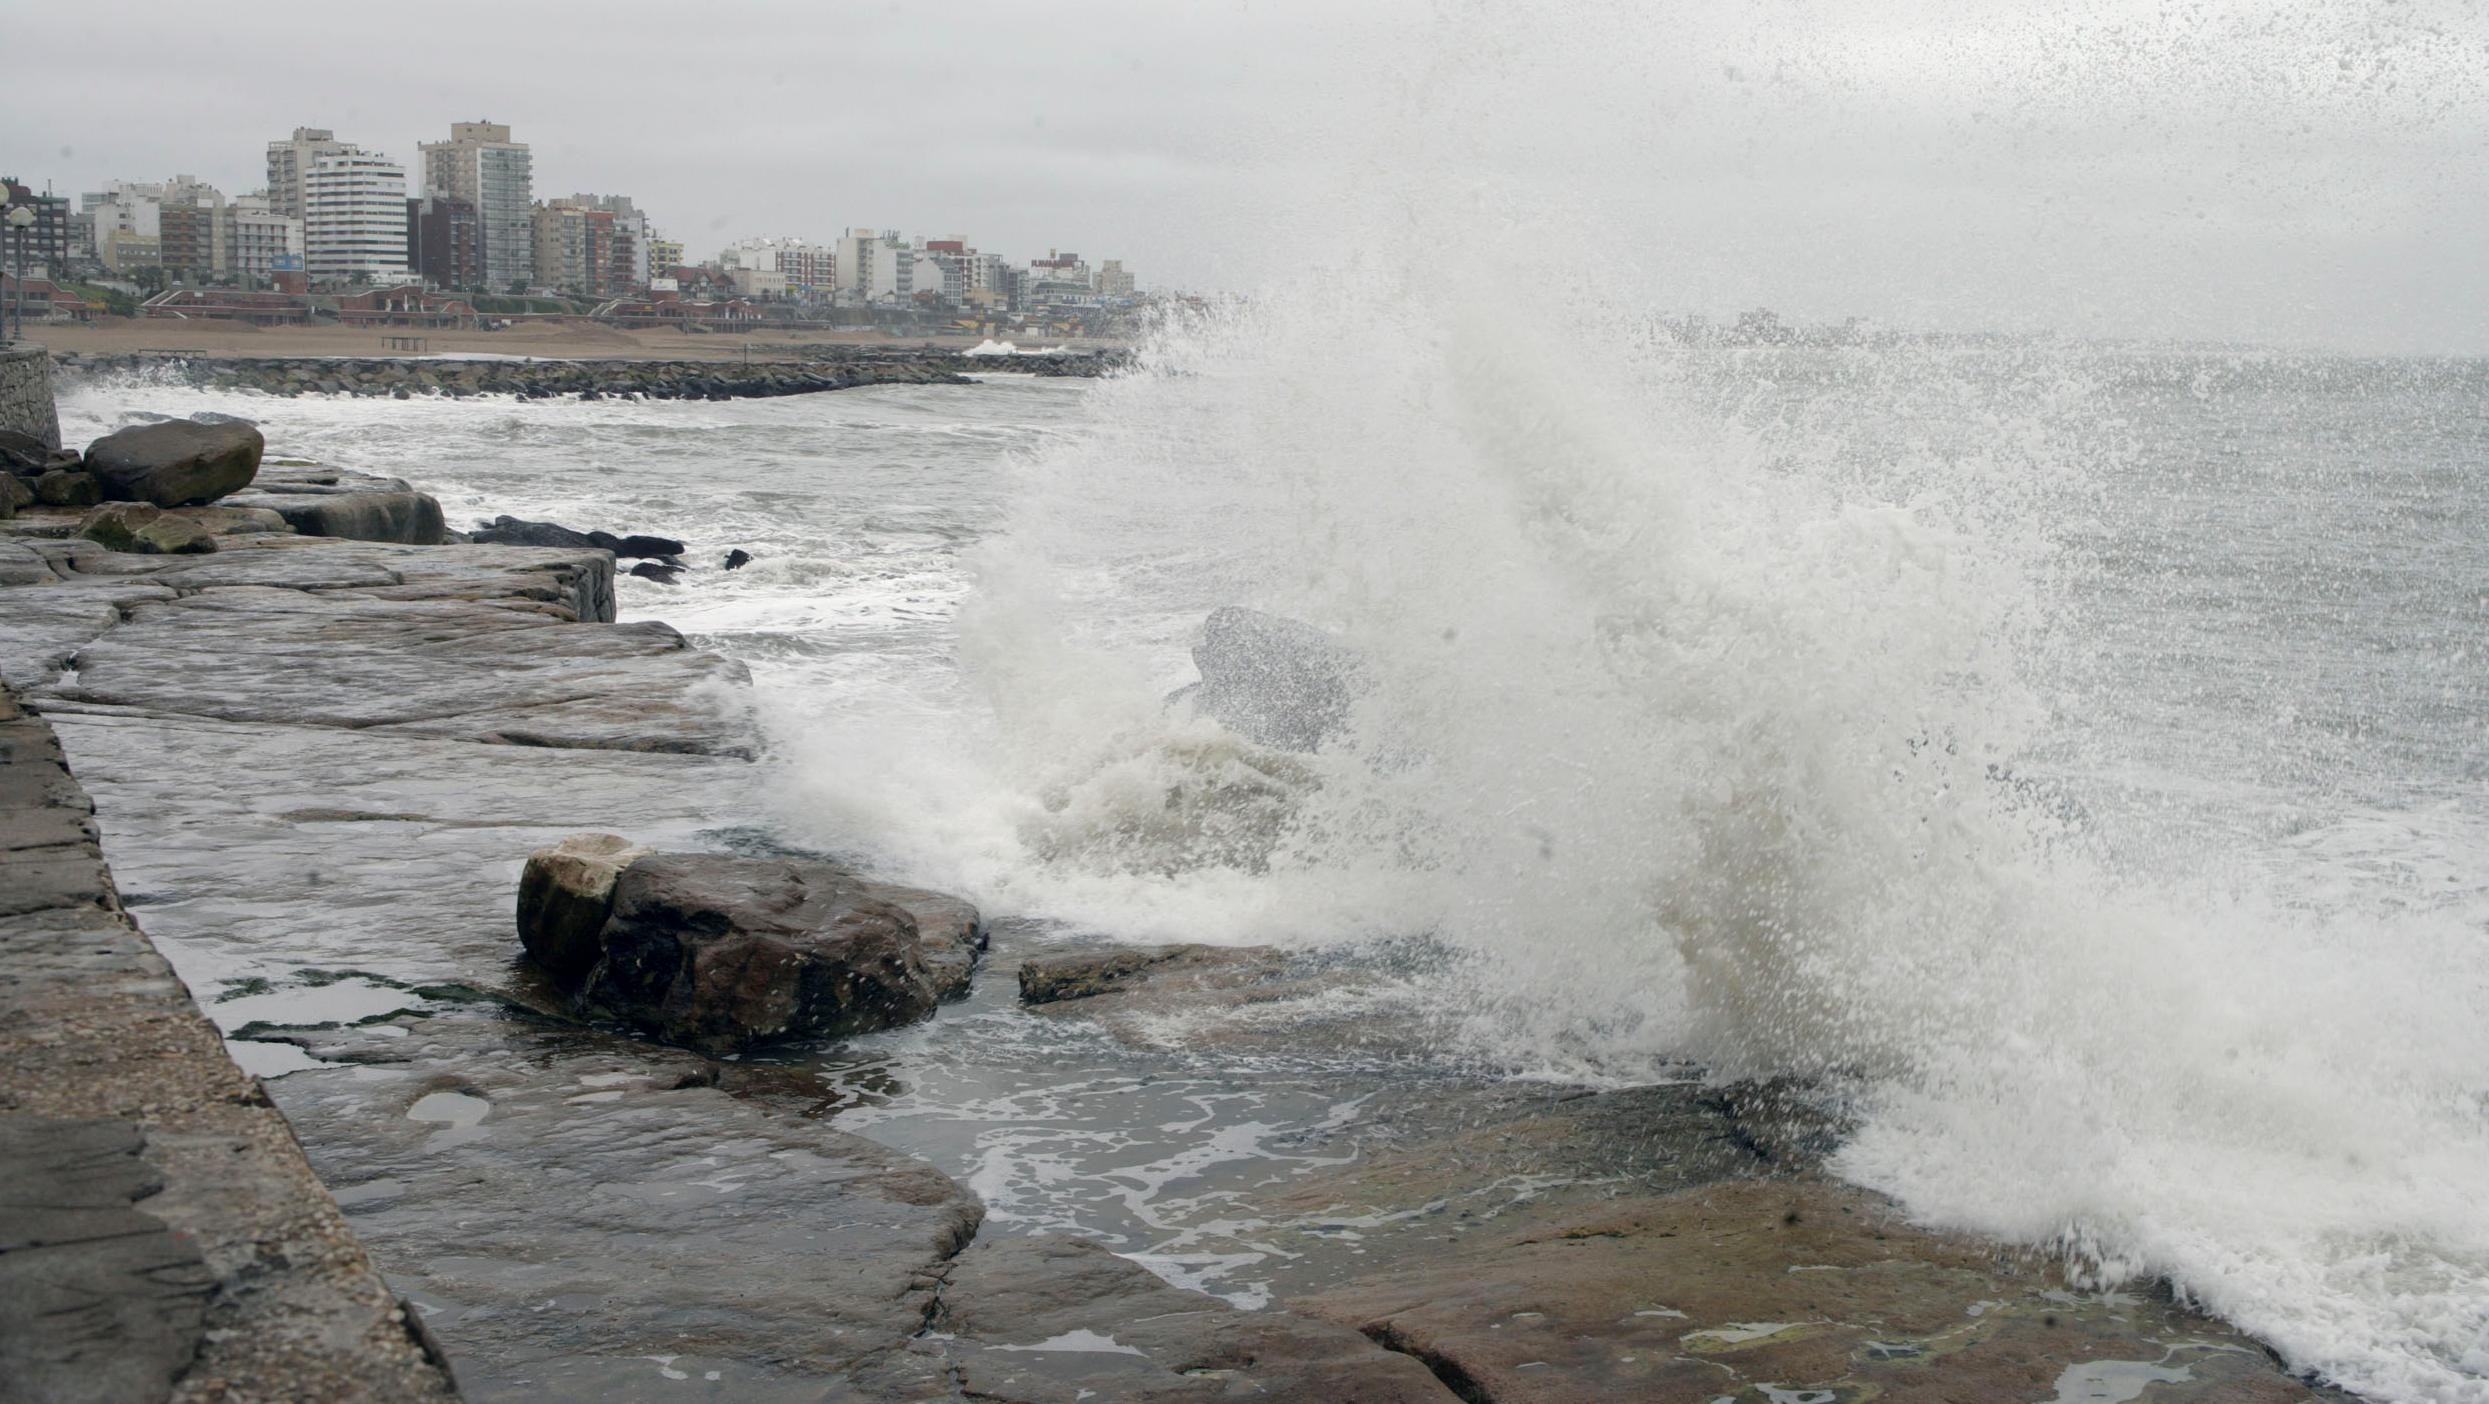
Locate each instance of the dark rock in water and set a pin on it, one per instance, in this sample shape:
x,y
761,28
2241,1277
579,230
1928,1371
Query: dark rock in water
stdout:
x,y
636,547
514,531
216,417
738,558
1273,680
68,487
662,574
176,463
143,529
722,954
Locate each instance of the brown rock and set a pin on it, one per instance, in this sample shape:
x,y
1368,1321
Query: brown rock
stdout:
x,y
68,487
142,529
721,953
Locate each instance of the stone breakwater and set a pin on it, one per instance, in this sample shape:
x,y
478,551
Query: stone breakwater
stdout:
x,y
823,369
161,1235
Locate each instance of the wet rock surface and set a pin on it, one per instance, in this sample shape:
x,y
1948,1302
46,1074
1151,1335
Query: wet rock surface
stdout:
x,y
1773,1290
98,1299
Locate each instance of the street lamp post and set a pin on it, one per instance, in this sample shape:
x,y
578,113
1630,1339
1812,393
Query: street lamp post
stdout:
x,y
19,217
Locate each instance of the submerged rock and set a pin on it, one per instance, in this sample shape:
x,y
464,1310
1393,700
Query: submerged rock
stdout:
x,y
1273,680
721,953
515,531
1049,979
176,463
518,531
662,574
637,547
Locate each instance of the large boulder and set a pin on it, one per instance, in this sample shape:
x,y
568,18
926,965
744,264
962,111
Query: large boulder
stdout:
x,y
723,954
145,530
1274,680
176,463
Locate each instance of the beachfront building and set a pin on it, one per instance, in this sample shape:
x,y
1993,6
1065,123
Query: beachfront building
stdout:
x,y
354,217
259,242
289,168
1113,281
482,166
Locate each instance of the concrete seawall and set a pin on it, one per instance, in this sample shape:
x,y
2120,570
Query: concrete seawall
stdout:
x,y
161,1235
26,392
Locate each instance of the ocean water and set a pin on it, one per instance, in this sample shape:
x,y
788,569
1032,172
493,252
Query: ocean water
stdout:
x,y
2072,757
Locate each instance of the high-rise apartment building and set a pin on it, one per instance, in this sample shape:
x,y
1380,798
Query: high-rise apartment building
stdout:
x,y
354,219
482,166
44,243
289,168
1113,281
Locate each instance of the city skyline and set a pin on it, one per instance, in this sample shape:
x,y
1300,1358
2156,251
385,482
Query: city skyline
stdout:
x,y
1897,160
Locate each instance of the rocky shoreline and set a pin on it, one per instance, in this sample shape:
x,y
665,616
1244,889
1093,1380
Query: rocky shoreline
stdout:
x,y
820,369
320,766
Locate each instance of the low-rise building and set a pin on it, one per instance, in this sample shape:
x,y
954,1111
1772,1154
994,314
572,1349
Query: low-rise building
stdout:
x,y
259,241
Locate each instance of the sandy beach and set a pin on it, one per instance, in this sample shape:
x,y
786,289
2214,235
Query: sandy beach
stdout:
x,y
553,339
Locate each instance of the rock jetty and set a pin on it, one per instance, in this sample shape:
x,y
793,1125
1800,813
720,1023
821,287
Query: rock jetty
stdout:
x,y
824,369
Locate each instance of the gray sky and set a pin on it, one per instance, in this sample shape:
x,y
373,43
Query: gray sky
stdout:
x,y
2306,172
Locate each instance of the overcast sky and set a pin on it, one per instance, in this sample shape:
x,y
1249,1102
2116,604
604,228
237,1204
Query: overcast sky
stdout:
x,y
2313,172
